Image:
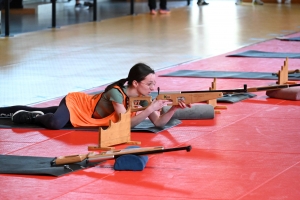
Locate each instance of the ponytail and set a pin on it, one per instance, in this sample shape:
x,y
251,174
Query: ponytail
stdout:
x,y
119,83
138,73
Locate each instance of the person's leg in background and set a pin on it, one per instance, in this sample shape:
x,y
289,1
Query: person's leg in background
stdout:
x,y
152,6
86,3
286,1
259,2
163,7
238,2
202,3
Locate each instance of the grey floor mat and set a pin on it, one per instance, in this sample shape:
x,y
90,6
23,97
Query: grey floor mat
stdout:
x,y
289,39
229,75
147,125
31,165
233,98
144,126
264,54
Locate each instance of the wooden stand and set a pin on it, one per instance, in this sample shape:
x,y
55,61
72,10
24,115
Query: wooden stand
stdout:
x,y
213,102
116,133
283,74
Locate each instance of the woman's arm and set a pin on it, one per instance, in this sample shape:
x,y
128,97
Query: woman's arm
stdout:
x,y
161,120
151,112
119,108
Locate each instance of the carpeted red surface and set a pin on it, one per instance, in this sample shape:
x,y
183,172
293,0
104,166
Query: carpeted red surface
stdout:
x,y
249,151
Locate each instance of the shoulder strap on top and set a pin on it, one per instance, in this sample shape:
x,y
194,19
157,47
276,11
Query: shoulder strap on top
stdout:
x,y
125,97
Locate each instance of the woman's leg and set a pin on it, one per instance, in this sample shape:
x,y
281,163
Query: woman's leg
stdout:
x,y
55,120
7,112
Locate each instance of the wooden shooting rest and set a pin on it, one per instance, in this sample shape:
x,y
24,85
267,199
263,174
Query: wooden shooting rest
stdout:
x,y
213,102
116,133
283,74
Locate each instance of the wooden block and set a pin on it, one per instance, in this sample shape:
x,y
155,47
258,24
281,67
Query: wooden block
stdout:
x,y
116,133
213,102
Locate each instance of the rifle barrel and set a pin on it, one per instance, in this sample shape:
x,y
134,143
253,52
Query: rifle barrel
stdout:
x,y
155,151
244,90
272,87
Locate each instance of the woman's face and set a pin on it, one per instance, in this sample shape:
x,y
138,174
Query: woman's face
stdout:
x,y
146,86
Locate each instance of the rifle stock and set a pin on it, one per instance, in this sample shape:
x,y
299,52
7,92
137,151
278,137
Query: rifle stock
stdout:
x,y
109,155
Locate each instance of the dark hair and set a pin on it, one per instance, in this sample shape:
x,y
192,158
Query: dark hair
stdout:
x,y
138,72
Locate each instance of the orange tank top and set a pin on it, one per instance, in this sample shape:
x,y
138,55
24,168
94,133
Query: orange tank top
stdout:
x,y
82,107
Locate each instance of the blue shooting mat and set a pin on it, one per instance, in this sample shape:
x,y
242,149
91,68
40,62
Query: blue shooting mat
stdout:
x,y
264,54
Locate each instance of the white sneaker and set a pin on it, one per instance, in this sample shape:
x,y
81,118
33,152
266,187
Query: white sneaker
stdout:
x,y
287,1
278,1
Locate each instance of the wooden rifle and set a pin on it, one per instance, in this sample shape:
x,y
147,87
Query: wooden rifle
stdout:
x,y
187,97
114,154
190,97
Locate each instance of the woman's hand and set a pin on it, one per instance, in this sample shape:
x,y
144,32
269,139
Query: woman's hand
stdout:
x,y
182,105
158,104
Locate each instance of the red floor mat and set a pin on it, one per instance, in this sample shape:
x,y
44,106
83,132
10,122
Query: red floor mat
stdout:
x,y
249,151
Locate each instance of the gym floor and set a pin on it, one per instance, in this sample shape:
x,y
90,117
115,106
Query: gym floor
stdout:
x,y
249,151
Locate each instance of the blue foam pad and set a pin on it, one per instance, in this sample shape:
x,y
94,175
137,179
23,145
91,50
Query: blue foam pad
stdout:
x,y
130,162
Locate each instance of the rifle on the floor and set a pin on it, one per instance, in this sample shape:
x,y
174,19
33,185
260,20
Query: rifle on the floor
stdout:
x,y
114,154
188,97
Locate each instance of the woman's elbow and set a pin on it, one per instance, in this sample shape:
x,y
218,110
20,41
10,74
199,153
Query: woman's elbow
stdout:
x,y
159,124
